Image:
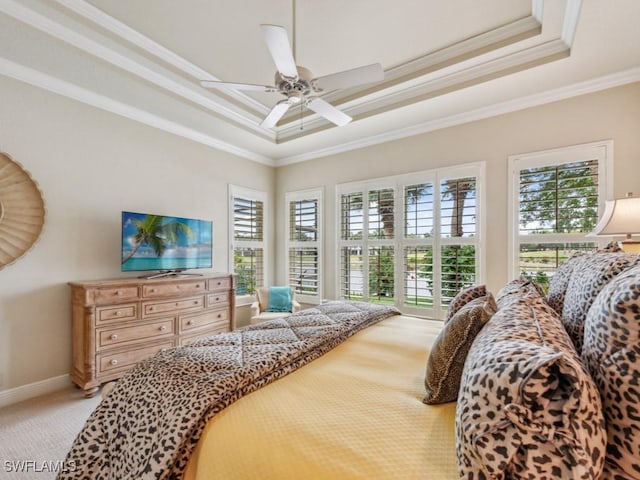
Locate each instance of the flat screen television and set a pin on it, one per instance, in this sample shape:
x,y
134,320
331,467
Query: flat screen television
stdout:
x,y
169,245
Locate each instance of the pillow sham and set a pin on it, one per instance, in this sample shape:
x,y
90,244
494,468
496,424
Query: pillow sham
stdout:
x,y
463,297
527,408
612,246
589,275
450,348
516,289
611,353
559,282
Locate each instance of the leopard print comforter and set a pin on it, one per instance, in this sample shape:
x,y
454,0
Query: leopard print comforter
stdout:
x,y
148,425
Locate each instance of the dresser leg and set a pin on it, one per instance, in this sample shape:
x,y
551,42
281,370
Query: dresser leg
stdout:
x,y
90,392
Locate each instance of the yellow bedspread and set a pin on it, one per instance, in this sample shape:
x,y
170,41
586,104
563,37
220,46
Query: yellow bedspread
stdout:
x,y
354,413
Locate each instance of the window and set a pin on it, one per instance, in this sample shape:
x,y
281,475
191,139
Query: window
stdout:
x,y
555,199
304,244
248,243
410,240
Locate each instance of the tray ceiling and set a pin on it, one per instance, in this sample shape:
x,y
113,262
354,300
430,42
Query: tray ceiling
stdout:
x,y
445,62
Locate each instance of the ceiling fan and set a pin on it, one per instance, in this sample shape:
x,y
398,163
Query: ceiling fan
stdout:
x,y
298,84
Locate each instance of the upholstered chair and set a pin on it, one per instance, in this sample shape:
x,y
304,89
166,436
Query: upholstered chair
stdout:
x,y
260,308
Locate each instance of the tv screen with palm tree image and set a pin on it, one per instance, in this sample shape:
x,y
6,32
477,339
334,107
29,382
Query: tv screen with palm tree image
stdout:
x,y
168,244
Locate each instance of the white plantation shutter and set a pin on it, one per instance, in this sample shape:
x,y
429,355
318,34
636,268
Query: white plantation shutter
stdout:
x,y
408,242
304,244
248,244
458,236
556,198
367,226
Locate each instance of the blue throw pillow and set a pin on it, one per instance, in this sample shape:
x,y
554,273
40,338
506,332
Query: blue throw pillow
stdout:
x,y
279,299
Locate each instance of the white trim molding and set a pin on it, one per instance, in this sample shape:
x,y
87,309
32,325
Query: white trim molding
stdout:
x,y
600,150
35,389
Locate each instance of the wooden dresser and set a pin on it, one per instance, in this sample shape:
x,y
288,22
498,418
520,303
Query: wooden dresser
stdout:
x,y
117,323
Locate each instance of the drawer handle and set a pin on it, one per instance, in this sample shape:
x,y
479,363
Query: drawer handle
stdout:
x,y
190,322
163,328
217,299
219,315
197,285
151,309
219,283
113,337
119,292
196,302
118,313
153,290
114,362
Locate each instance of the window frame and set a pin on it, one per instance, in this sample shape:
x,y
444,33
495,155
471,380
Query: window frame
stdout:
x,y
316,194
601,150
236,191
399,242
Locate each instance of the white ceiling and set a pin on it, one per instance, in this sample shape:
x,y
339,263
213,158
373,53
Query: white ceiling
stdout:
x,y
445,62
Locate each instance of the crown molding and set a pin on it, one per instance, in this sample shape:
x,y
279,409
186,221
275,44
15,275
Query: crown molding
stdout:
x,y
381,101
570,23
447,70
491,69
100,47
123,31
451,55
582,88
41,16
431,75
69,90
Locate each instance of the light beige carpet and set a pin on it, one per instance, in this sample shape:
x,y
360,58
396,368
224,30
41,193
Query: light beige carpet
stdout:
x,y
36,434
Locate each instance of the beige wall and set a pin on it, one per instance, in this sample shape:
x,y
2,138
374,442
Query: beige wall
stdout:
x,y
611,114
90,166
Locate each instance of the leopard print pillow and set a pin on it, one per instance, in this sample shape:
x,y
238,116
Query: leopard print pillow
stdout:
x,y
559,282
516,289
611,353
463,297
589,275
527,408
450,348
611,247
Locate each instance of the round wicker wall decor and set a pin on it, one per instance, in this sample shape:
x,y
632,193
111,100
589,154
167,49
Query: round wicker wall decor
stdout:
x,y
21,211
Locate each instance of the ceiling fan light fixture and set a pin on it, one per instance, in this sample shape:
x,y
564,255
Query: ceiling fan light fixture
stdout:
x,y
295,97
298,84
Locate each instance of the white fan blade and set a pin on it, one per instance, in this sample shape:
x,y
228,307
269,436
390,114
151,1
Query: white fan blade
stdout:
x,y
278,44
275,114
329,112
238,86
349,78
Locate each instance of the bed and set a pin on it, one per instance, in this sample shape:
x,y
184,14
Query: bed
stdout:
x,y
356,411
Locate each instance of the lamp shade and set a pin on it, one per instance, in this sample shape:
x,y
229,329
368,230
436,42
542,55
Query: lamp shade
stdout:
x,y
621,217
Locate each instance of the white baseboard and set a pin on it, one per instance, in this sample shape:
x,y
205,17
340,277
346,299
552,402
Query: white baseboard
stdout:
x,y
24,392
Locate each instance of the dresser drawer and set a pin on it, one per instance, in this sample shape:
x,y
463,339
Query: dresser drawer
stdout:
x,y
187,339
172,306
120,312
214,299
111,337
172,289
204,320
219,284
110,362
115,294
